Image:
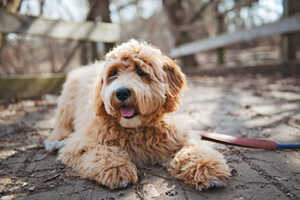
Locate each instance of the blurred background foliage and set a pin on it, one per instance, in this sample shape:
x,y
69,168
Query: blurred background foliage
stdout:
x,y
165,24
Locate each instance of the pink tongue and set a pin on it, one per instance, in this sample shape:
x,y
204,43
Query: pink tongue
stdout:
x,y
127,112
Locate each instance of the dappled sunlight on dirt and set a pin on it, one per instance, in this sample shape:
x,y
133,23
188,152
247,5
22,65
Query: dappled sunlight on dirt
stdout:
x,y
255,107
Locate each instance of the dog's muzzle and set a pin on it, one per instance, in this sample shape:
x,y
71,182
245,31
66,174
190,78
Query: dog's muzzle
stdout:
x,y
127,112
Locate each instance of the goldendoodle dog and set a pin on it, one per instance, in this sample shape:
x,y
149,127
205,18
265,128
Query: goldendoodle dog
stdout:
x,y
114,116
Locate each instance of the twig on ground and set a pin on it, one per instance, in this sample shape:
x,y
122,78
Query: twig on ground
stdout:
x,y
51,178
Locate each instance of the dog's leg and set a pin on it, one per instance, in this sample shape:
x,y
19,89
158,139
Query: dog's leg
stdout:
x,y
107,165
64,117
62,128
199,166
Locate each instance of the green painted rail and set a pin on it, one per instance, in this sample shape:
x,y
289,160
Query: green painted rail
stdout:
x,y
30,86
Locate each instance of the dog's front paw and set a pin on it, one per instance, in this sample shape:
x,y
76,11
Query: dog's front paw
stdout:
x,y
118,177
215,183
208,175
211,184
202,176
53,145
198,169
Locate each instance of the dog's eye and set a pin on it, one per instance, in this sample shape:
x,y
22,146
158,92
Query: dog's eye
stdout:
x,y
140,72
113,73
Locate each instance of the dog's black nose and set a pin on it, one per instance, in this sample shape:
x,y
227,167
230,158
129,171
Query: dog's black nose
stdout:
x,y
123,94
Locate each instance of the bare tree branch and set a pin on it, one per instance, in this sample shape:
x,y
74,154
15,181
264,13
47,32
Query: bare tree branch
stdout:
x,y
200,12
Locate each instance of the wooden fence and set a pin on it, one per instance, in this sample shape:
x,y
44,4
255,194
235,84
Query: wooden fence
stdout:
x,y
21,86
24,86
58,29
285,27
30,86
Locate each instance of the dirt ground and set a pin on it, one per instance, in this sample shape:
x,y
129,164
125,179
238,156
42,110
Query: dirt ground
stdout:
x,y
256,107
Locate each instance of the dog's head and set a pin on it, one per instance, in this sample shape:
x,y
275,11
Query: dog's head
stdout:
x,y
138,85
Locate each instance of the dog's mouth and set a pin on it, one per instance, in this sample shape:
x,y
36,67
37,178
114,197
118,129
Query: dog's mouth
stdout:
x,y
128,112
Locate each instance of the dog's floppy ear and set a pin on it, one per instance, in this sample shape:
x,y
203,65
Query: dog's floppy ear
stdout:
x,y
176,81
98,102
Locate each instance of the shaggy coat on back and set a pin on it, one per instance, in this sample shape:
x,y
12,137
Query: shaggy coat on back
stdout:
x,y
114,115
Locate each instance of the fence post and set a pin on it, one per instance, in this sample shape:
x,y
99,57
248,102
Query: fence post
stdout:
x,y
288,41
220,29
1,41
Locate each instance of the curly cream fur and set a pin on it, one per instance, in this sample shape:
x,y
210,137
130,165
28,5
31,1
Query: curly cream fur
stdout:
x,y
102,145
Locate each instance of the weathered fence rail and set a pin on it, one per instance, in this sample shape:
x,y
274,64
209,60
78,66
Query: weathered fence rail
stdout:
x,y
285,69
58,29
287,25
28,86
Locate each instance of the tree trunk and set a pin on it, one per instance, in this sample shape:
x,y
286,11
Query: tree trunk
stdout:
x,y
89,50
176,18
289,42
84,60
188,60
220,29
105,17
12,6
